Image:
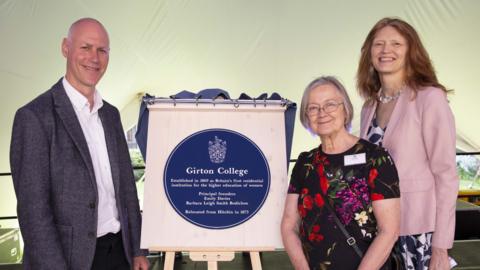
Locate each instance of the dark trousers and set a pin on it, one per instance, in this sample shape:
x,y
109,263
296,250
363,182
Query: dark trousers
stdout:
x,y
109,253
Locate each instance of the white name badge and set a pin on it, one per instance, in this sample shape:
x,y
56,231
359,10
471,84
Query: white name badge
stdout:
x,y
354,159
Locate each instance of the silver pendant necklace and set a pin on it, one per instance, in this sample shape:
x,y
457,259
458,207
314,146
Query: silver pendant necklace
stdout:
x,y
386,99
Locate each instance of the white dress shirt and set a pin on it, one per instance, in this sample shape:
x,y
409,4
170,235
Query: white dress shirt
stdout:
x,y
108,221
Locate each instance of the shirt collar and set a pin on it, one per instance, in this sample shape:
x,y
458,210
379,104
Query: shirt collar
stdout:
x,y
79,101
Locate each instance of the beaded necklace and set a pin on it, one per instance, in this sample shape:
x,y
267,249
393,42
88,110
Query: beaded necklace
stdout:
x,y
386,99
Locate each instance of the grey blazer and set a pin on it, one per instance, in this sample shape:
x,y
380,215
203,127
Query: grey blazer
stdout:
x,y
55,183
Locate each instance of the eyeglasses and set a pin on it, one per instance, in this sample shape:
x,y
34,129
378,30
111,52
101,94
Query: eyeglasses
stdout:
x,y
328,107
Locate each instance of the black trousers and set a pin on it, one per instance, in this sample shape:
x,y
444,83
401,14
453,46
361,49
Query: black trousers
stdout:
x,y
109,253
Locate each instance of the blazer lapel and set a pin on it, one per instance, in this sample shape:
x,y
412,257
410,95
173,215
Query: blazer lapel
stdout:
x,y
397,115
66,113
369,113
110,140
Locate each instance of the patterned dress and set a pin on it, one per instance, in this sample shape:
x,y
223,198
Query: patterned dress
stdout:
x,y
416,249
351,181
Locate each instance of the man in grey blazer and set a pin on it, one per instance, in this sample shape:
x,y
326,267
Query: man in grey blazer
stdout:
x,y
77,202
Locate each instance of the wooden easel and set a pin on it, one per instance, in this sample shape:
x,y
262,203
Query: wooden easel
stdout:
x,y
213,257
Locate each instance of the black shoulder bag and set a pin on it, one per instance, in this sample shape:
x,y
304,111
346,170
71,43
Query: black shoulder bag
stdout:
x,y
394,261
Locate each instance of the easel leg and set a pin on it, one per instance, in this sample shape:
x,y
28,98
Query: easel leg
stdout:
x,y
212,265
255,258
169,260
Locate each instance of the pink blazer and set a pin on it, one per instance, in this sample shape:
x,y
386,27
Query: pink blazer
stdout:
x,y
420,137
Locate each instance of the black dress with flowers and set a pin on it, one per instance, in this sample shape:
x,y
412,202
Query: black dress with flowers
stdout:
x,y
351,181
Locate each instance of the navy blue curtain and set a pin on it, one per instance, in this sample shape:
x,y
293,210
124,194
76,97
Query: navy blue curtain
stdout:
x,y
142,125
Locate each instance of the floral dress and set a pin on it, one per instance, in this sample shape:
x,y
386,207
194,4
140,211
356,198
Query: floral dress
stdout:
x,y
351,181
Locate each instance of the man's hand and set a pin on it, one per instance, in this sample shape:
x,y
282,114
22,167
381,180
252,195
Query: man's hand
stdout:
x,y
439,260
140,263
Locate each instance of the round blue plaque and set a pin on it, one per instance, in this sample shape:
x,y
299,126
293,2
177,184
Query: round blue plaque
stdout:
x,y
216,178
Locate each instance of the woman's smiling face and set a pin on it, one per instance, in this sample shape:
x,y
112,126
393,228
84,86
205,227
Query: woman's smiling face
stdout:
x,y
389,51
325,111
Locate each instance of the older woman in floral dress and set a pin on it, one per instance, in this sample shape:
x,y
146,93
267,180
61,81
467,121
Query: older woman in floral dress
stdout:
x,y
356,178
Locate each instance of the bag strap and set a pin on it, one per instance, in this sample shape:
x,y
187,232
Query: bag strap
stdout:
x,y
350,239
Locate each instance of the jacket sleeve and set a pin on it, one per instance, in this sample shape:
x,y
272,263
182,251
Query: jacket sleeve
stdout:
x,y
30,166
439,135
132,204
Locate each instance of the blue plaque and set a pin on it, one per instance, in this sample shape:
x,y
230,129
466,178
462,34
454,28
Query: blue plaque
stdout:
x,y
217,178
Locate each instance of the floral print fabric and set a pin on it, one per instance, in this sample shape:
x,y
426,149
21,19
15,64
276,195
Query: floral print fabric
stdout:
x,y
350,181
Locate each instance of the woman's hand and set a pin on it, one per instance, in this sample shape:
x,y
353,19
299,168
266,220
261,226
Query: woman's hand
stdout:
x,y
439,260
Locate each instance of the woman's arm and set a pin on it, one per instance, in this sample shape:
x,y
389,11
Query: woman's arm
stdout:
x,y
387,214
438,129
290,226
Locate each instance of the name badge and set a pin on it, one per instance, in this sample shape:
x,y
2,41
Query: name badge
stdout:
x,y
354,159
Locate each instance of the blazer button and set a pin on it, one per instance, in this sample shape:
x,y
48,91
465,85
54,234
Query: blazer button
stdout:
x,y
91,234
91,205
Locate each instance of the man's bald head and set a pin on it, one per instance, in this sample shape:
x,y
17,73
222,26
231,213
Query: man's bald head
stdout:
x,y
82,22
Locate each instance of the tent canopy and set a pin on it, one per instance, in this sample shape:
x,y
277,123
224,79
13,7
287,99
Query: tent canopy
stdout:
x,y
162,47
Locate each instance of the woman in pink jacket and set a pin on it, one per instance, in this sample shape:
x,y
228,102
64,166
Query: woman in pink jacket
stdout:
x,y
406,111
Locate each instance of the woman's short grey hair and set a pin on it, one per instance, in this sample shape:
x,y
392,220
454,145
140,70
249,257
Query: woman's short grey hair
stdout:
x,y
347,104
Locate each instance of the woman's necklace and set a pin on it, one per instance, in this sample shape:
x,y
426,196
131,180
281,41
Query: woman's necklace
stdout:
x,y
386,99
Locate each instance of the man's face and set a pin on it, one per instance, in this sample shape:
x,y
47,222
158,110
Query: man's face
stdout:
x,y
87,51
